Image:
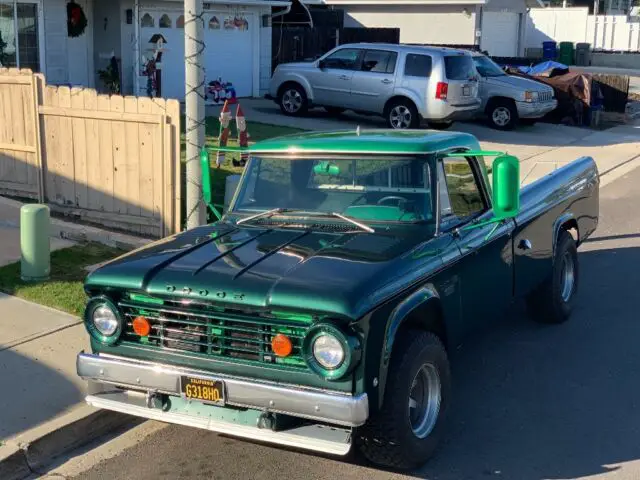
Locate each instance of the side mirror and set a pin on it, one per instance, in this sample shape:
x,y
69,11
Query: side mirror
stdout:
x,y
322,64
506,187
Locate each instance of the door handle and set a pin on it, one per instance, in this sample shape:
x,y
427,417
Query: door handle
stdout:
x,y
344,77
386,81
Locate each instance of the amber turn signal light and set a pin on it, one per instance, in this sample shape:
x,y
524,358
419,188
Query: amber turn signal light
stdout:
x,y
141,326
281,345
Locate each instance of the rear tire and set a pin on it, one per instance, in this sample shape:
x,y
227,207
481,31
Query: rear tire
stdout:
x,y
502,114
292,100
405,433
402,114
552,302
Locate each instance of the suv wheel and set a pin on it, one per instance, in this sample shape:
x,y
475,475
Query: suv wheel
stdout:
x,y
402,114
407,430
293,100
503,114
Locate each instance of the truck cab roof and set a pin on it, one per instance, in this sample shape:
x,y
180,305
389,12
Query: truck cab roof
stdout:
x,y
386,142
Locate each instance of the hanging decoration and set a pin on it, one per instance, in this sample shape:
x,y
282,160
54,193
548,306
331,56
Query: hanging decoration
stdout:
x,y
76,20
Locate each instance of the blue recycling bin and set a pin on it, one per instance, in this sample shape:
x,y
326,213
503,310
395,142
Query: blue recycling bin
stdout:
x,y
549,50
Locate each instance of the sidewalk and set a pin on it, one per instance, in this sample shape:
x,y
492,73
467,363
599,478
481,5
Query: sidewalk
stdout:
x,y
42,410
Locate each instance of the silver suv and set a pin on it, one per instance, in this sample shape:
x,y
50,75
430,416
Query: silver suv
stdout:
x,y
403,83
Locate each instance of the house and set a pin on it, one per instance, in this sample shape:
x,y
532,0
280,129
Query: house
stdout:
x,y
494,25
237,35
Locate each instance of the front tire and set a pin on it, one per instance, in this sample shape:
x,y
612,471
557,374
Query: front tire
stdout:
x,y
402,114
552,302
502,114
405,433
292,100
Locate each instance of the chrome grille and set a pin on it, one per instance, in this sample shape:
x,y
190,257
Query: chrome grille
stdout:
x,y
223,334
545,96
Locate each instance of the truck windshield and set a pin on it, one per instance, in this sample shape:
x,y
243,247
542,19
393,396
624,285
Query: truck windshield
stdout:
x,y
487,67
375,189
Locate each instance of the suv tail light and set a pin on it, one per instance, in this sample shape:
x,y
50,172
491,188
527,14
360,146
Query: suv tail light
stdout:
x,y
441,90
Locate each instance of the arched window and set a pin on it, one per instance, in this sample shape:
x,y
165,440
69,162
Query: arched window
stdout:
x,y
214,23
165,21
147,21
180,22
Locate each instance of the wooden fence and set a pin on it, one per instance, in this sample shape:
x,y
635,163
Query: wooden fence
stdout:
x,y
110,160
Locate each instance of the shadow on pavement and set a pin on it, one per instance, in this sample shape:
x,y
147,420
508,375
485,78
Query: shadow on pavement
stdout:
x,y
32,392
552,402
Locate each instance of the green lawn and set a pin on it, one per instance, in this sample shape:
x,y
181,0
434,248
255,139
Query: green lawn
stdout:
x,y
64,289
257,132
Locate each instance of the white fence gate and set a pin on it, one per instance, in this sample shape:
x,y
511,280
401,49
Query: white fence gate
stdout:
x,y
603,32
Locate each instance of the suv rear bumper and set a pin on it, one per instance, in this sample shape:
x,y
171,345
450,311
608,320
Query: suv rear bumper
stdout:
x,y
449,112
152,378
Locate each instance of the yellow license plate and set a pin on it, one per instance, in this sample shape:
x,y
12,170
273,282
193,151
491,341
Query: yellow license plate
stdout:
x,y
202,389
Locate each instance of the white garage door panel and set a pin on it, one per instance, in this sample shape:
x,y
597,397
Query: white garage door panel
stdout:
x,y
228,54
500,32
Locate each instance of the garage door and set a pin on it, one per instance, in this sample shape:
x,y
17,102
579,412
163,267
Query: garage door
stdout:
x,y
228,53
500,32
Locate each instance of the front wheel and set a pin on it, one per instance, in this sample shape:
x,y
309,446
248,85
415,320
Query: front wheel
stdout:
x,y
502,114
552,302
407,430
293,100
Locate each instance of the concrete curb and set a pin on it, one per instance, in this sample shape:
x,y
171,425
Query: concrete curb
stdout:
x,y
80,233
40,446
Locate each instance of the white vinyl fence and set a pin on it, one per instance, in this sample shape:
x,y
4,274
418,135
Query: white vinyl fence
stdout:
x,y
603,32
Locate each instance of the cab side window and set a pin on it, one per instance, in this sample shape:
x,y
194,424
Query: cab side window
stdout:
x,y
461,198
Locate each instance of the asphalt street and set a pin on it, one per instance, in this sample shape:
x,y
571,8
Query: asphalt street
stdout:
x,y
531,402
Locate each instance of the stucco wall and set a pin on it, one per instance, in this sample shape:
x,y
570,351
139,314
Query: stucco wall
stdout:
x,y
418,24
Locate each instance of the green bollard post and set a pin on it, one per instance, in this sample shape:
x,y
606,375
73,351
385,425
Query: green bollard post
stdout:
x,y
34,243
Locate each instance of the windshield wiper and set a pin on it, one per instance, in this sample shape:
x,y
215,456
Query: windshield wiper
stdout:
x,y
274,211
364,227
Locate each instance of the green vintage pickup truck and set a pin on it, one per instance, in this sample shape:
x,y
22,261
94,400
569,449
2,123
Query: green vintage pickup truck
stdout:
x,y
319,312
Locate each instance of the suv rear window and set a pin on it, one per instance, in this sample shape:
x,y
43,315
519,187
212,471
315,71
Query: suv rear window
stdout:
x,y
459,67
417,65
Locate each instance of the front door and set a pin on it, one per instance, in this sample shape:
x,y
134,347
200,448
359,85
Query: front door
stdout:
x,y
331,81
486,264
373,84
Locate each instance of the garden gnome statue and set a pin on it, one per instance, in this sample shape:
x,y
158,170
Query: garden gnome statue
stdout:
x,y
243,137
225,121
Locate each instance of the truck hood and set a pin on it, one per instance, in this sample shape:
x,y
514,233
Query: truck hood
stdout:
x,y
340,273
518,83
297,65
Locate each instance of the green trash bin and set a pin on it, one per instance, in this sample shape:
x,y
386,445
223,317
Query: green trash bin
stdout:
x,y
35,262
566,53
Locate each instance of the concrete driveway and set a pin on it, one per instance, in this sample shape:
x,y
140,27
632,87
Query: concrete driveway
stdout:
x,y
541,148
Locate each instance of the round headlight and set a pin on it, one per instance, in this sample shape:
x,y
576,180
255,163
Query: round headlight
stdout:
x,y
328,351
105,320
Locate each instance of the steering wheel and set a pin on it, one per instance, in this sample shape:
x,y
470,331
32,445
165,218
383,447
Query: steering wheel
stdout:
x,y
391,198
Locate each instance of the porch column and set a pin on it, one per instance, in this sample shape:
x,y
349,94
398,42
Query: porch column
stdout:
x,y
194,100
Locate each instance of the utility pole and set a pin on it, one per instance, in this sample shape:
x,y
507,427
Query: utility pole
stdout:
x,y
194,100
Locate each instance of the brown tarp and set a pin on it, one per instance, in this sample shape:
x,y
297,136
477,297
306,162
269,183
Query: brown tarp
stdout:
x,y
576,93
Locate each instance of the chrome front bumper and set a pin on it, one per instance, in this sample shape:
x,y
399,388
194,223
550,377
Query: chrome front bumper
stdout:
x,y
334,408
